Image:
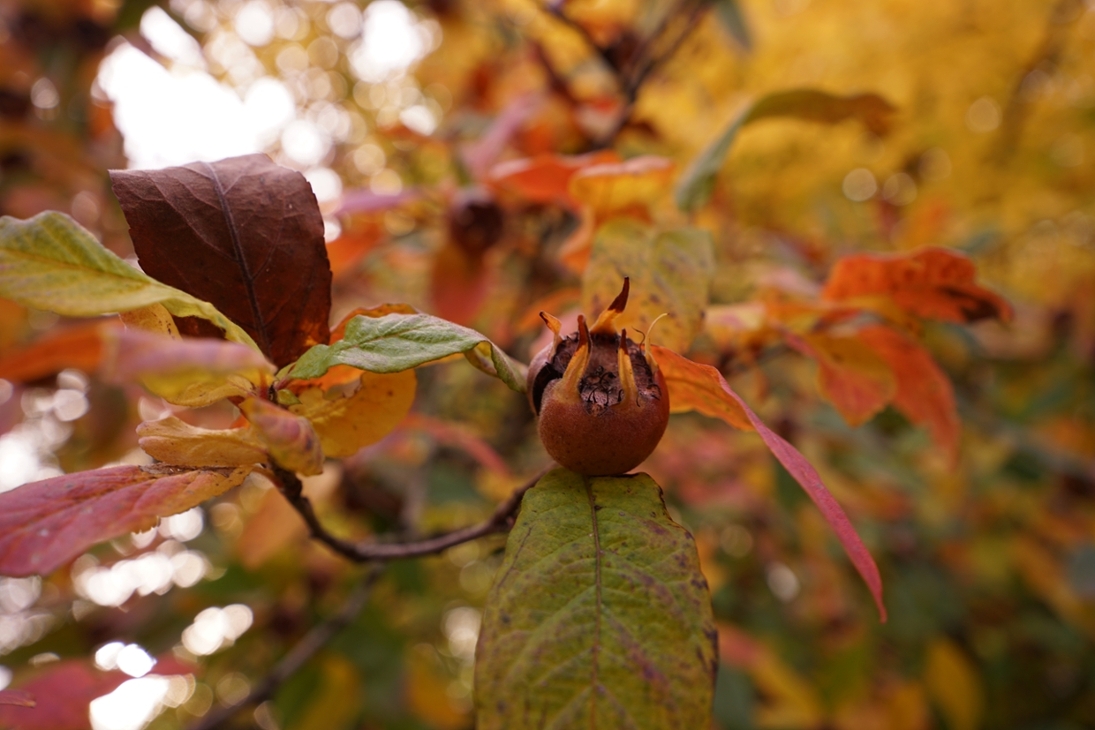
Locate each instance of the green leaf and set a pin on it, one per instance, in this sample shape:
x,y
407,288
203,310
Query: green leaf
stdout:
x,y
697,183
51,262
599,615
397,342
670,274
732,19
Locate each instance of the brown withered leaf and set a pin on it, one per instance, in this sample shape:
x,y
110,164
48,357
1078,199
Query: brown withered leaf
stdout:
x,y
244,234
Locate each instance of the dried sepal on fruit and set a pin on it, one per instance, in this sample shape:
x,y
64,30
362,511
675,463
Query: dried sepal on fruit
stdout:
x,y
602,401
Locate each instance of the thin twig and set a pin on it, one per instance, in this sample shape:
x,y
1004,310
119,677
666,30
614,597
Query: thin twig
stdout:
x,y
301,652
556,12
500,521
1048,55
647,62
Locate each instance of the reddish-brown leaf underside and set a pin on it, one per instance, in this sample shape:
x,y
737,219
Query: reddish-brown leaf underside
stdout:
x,y
933,282
244,234
45,524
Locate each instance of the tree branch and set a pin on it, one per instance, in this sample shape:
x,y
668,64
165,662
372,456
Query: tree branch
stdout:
x,y
556,11
500,521
304,650
647,62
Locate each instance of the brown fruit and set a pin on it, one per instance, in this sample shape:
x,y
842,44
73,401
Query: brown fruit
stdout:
x,y
602,401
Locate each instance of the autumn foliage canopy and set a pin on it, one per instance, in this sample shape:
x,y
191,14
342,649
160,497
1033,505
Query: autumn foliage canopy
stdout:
x,y
269,455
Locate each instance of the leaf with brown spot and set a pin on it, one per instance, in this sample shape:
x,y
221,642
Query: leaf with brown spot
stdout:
x,y
243,233
934,283
45,524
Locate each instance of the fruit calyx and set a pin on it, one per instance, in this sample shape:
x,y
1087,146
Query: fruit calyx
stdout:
x,y
602,401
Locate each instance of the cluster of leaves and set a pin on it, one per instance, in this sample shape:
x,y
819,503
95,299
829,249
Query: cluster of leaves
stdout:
x,y
574,150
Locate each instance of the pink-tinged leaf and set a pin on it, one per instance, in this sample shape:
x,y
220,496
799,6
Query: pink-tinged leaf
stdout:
x,y
289,438
484,152
924,393
17,697
45,524
363,200
139,354
65,689
706,382
244,234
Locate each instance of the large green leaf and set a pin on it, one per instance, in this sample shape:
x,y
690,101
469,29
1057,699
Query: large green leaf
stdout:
x,y
670,274
599,616
697,183
52,263
397,342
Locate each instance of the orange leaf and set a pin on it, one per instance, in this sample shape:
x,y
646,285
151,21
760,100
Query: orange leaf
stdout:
x,y
851,375
696,387
933,282
705,390
545,179
78,346
614,187
924,394
459,283
45,524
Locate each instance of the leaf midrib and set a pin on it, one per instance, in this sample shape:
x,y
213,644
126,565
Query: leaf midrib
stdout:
x,y
241,260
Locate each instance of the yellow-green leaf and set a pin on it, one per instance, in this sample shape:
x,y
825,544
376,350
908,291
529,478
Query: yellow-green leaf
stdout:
x,y
697,183
670,274
599,615
52,263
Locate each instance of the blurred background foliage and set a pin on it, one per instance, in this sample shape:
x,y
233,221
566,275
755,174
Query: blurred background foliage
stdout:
x,y
397,113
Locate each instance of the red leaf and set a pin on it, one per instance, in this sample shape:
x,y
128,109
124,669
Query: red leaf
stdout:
x,y
545,179
17,697
79,346
933,282
45,524
244,234
724,403
65,690
924,393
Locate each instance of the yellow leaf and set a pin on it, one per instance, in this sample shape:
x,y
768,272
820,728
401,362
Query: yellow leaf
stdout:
x,y
792,703
173,441
954,685
345,424
153,318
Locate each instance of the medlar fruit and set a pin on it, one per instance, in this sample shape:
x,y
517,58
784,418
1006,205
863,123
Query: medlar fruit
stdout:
x,y
602,401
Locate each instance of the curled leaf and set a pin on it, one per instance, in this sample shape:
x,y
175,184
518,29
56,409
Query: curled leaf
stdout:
x,y
289,439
